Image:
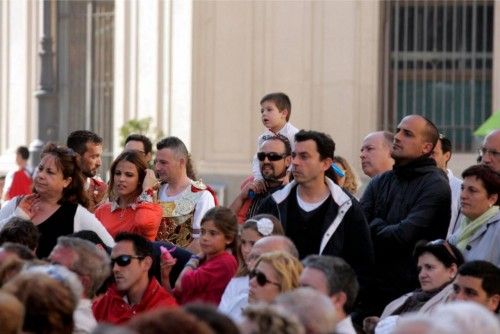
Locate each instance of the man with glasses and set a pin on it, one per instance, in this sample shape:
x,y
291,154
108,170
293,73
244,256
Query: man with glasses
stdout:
x,y
490,151
135,290
275,156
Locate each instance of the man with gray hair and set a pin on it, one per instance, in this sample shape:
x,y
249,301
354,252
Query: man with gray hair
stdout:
x,y
92,265
333,277
312,308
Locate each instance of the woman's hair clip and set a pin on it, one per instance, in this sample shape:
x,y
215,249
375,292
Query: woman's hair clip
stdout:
x,y
265,226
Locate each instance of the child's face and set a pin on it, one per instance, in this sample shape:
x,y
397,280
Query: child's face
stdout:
x,y
272,117
212,241
248,238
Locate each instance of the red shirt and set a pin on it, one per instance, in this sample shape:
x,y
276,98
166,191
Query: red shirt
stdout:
x,y
208,281
142,218
112,308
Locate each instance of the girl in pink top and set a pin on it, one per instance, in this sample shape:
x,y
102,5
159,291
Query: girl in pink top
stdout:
x,y
131,207
206,275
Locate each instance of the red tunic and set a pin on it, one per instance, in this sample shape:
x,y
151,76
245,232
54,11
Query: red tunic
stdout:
x,y
208,281
142,218
112,308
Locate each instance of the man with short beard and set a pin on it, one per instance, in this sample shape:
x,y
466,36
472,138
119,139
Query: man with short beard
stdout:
x,y
275,156
88,146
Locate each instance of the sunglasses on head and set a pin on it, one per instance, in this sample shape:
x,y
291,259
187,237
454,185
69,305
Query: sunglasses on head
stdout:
x,y
261,278
272,156
124,260
446,245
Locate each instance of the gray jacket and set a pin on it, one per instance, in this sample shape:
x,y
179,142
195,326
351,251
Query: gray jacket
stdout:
x,y
484,243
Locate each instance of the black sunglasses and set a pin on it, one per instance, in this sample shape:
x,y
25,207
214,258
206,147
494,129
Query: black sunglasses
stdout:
x,y
124,260
261,278
272,156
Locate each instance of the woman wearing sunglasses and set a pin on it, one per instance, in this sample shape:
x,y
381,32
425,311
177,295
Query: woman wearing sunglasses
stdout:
x,y
58,205
274,273
478,233
131,195
437,266
235,297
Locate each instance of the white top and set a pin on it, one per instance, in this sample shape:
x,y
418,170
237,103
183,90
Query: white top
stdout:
x,y
84,220
456,189
345,326
83,317
308,207
235,298
288,131
205,202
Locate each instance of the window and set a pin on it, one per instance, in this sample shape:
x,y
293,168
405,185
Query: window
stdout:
x,y
438,63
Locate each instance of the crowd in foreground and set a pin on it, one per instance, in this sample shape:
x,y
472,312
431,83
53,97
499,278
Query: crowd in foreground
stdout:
x,y
296,251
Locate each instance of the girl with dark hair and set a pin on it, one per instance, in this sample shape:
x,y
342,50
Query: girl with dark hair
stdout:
x,y
207,274
58,205
131,207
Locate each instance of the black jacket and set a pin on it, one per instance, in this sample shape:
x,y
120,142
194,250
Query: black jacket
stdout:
x,y
403,206
350,239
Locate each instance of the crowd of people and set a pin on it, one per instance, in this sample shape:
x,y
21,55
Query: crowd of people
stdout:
x,y
296,251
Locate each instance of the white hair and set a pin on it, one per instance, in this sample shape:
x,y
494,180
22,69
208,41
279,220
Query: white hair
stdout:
x,y
314,310
468,317
63,275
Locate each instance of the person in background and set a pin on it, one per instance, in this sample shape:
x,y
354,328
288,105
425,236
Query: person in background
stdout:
x,y
350,180
489,153
442,155
19,182
88,147
141,143
376,153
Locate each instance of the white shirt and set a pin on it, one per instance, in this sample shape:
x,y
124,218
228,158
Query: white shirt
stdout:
x,y
345,326
456,188
83,317
235,298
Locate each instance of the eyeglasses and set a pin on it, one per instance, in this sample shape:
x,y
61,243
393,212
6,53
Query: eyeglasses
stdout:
x,y
272,156
445,244
484,151
261,278
124,260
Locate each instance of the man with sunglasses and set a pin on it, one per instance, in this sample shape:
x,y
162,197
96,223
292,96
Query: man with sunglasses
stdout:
x,y
490,150
135,290
275,156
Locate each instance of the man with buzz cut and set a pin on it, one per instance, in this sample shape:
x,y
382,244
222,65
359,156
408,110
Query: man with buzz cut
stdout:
x,y
409,203
376,153
88,147
184,200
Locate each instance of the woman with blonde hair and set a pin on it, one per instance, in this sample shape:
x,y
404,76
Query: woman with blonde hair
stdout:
x,y
274,273
235,297
350,180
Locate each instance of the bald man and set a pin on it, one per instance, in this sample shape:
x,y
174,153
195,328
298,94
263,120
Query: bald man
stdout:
x,y
376,153
490,150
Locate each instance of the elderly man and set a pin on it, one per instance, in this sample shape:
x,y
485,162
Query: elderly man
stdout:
x,y
376,153
91,264
409,203
490,150
334,278
275,156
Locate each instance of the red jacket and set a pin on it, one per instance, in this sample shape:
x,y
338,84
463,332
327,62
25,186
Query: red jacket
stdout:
x,y
208,282
112,308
